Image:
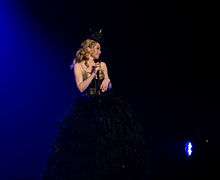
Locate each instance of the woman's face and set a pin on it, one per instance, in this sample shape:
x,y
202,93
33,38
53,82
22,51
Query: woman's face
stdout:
x,y
96,51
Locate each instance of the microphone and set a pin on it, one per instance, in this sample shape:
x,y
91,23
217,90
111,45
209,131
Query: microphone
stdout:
x,y
98,72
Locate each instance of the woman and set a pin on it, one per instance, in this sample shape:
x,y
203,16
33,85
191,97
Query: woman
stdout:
x,y
87,65
100,139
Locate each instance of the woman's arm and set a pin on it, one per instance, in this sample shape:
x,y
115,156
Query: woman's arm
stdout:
x,y
106,82
82,85
105,70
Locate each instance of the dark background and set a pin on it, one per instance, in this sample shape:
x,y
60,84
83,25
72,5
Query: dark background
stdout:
x,y
149,49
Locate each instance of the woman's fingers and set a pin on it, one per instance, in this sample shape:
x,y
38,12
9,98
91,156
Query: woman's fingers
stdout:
x,y
97,64
104,86
101,87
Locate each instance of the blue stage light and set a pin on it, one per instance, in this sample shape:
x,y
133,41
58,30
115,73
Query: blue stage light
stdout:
x,y
188,148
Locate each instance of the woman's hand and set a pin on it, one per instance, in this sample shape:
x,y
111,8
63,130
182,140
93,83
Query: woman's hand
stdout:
x,y
95,68
104,85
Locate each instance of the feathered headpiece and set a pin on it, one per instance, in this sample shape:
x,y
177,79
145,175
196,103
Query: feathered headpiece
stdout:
x,y
97,35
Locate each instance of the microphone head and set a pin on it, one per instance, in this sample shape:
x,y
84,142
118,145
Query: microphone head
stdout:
x,y
97,60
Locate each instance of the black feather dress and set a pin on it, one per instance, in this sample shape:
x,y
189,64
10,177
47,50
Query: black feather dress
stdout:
x,y
99,140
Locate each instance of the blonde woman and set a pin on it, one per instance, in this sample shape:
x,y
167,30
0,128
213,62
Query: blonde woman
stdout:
x,y
101,139
88,68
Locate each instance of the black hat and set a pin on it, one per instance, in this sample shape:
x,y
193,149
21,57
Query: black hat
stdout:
x,y
96,34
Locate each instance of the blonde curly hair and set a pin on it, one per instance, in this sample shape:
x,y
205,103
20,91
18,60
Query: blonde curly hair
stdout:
x,y
84,52
88,43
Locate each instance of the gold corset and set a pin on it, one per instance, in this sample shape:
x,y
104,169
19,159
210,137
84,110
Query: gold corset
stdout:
x,y
100,74
94,87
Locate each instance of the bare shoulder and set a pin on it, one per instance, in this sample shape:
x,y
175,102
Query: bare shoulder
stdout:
x,y
77,67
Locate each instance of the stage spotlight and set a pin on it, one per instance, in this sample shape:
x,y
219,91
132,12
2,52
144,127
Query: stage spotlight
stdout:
x,y
188,149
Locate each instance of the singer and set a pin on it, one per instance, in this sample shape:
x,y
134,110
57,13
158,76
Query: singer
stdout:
x,y
101,139
89,70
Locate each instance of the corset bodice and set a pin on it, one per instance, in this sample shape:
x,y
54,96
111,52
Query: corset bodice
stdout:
x,y
94,87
